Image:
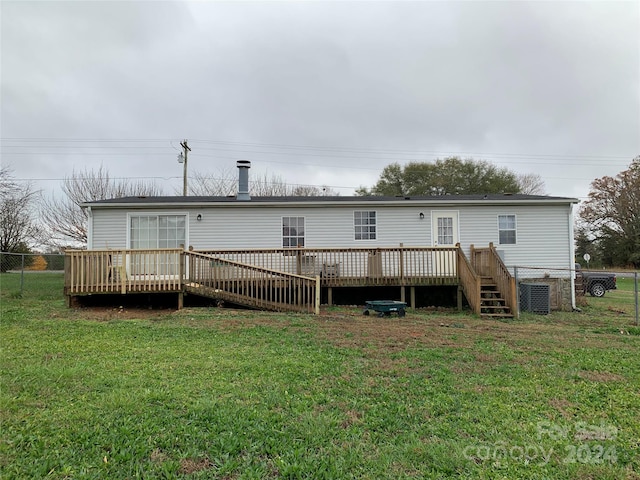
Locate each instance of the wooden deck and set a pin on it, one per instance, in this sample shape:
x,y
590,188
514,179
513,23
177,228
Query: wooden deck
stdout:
x,y
286,279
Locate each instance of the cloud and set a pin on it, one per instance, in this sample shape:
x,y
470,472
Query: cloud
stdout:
x,y
325,92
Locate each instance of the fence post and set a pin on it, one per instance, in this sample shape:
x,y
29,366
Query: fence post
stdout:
x,y
22,275
635,278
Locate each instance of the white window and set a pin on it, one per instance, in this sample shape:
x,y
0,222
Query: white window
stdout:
x,y
364,223
292,232
157,231
507,229
153,232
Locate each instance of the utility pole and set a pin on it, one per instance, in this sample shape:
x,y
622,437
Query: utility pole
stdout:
x,y
183,156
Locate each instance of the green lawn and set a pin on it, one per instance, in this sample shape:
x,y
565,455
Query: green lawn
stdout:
x,y
215,393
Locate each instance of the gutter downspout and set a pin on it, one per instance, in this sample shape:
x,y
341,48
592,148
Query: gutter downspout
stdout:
x,y
89,228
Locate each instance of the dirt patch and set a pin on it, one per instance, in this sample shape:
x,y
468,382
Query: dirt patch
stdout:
x,y
102,314
193,465
563,406
158,456
600,376
390,333
348,328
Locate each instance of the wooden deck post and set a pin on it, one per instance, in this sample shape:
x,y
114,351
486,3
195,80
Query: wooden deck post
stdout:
x,y
317,310
402,268
413,297
403,295
330,296
459,298
181,279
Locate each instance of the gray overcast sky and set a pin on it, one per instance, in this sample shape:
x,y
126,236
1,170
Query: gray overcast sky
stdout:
x,y
322,93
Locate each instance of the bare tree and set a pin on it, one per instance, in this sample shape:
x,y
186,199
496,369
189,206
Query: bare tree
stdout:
x,y
17,226
531,184
225,183
8,185
611,216
202,184
65,219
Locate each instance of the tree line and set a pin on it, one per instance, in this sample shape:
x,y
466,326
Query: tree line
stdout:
x,y
607,224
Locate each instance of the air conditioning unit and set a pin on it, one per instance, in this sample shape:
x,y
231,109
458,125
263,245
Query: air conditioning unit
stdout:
x,y
535,298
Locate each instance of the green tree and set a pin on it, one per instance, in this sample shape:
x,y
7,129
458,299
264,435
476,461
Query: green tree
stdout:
x,y
612,216
449,176
585,243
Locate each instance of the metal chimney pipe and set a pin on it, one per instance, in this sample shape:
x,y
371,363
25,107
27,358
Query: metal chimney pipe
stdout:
x,y
243,179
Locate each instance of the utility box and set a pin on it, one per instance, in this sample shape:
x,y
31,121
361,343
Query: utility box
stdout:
x,y
535,298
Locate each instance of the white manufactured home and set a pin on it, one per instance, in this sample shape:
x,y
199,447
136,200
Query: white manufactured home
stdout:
x,y
468,241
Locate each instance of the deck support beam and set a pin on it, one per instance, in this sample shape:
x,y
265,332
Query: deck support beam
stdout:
x,y
403,294
459,298
413,297
330,296
180,300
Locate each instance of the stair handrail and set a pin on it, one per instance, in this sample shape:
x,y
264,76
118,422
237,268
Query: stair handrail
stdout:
x,y
470,281
505,281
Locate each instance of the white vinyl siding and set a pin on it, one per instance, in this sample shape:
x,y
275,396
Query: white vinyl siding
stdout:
x,y
543,231
110,229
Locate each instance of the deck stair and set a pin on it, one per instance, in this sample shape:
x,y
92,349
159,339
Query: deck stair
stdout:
x,y
492,302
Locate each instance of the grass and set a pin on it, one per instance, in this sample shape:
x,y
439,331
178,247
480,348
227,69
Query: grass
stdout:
x,y
215,393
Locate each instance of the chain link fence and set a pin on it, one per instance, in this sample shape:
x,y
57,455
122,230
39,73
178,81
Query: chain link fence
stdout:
x,y
539,289
21,272
543,289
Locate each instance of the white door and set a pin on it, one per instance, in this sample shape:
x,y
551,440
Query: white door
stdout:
x,y
444,233
444,229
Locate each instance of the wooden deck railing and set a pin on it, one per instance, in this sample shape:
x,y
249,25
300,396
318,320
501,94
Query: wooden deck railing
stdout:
x,y
342,267
287,278
470,282
123,271
251,285
487,262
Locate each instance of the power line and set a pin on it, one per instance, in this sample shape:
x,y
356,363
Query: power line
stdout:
x,y
142,147
374,151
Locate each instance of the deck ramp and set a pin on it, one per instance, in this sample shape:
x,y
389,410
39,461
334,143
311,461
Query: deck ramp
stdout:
x,y
250,285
